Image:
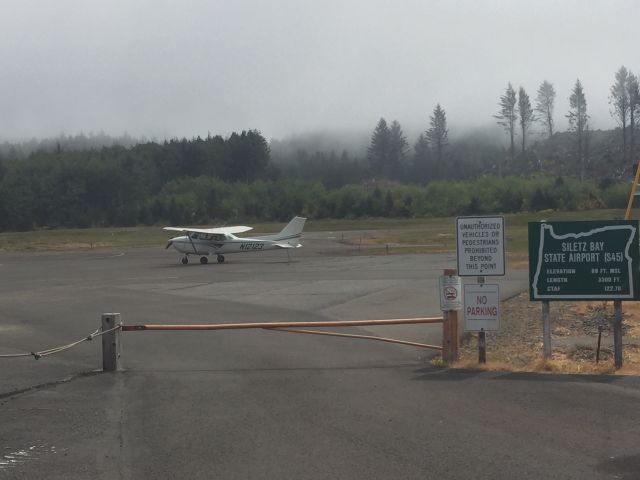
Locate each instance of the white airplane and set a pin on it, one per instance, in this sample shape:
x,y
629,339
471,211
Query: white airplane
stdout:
x,y
221,240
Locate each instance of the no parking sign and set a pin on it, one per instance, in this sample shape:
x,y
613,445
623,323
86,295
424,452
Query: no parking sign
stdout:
x,y
481,307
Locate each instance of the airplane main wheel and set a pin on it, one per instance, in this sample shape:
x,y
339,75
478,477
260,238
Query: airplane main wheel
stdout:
x,y
220,258
204,260
184,260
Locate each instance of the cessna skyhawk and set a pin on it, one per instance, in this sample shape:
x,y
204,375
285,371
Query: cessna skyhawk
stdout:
x,y
219,241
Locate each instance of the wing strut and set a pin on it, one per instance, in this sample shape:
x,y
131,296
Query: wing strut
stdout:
x,y
192,244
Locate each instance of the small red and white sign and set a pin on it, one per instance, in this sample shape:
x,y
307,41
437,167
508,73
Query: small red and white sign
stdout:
x,y
450,292
481,307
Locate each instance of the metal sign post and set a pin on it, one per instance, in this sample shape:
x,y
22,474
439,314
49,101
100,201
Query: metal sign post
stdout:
x,y
482,347
482,338
617,334
546,329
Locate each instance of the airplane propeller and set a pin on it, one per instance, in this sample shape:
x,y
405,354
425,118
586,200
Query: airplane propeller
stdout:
x,y
168,244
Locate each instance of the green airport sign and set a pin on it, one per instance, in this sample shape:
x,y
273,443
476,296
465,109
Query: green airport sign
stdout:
x,y
587,260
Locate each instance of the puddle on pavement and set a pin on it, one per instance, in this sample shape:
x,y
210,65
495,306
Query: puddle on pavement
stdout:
x,y
11,459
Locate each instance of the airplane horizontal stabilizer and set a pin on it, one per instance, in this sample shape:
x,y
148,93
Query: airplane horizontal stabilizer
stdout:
x,y
287,245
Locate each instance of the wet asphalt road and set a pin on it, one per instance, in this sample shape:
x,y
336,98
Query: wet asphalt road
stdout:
x,y
258,404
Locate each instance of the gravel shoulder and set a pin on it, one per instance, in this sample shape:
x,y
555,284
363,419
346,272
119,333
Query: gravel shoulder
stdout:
x,y
574,338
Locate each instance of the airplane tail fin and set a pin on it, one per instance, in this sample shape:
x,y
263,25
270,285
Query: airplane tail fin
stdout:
x,y
290,235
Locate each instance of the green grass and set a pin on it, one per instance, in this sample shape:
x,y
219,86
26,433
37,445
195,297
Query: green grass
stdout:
x,y
438,234
415,235
82,239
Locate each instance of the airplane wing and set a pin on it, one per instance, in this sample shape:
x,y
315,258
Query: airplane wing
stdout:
x,y
218,230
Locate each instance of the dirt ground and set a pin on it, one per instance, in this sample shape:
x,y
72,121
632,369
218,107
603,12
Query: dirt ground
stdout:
x,y
574,338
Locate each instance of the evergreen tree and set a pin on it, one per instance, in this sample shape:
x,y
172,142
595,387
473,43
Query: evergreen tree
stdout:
x,y
378,150
248,156
545,102
525,111
397,151
619,101
579,122
387,151
422,168
508,116
438,133
633,91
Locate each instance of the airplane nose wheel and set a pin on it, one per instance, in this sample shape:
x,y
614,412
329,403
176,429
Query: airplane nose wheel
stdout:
x,y
184,260
220,258
204,260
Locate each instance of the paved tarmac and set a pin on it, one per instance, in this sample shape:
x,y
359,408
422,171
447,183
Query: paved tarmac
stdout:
x,y
259,404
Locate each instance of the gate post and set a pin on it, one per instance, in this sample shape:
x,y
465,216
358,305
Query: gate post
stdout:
x,y
450,336
449,329
110,342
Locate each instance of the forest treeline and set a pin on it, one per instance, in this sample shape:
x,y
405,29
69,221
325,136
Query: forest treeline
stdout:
x,y
533,143
214,180
95,181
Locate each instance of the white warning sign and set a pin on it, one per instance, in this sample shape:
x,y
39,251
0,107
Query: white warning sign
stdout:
x,y
481,307
450,292
480,242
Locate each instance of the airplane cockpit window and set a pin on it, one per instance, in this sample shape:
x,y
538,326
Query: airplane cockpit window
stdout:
x,y
202,236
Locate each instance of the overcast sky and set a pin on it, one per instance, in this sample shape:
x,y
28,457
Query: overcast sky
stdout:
x,y
184,68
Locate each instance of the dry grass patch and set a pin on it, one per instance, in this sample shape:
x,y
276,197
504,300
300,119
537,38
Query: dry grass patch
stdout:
x,y
518,345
